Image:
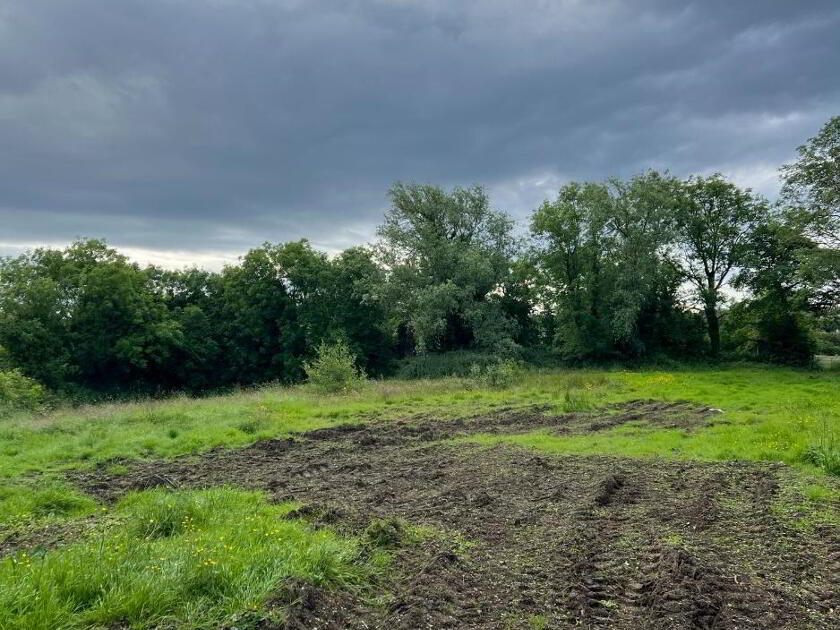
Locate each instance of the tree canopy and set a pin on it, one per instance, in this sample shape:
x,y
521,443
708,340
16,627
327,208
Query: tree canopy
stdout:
x,y
624,269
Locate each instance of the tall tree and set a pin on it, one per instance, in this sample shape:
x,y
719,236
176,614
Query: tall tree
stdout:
x,y
811,193
445,253
85,315
715,220
773,323
573,258
604,254
641,223
812,184
257,321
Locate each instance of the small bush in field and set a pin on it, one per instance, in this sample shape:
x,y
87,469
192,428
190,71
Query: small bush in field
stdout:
x,y
824,452
19,392
334,369
498,375
388,533
577,400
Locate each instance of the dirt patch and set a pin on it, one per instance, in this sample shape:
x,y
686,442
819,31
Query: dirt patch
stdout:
x,y
571,542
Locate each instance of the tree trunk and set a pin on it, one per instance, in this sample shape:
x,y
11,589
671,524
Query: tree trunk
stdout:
x,y
713,323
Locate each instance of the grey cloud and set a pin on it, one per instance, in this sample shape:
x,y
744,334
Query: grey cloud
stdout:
x,y
211,125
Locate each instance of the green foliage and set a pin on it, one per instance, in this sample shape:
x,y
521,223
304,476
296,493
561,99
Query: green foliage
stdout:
x,y
812,184
604,273
18,392
439,365
715,222
26,501
447,255
83,314
770,330
334,369
602,281
227,552
824,450
773,324
827,332
498,375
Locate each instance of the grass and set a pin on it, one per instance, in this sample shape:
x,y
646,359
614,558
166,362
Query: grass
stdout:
x,y
212,558
769,414
774,414
51,500
193,559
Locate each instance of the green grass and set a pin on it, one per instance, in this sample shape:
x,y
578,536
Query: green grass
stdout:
x,y
210,558
24,502
769,414
193,559
775,414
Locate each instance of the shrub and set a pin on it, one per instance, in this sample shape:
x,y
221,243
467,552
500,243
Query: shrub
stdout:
x,y
824,452
498,375
19,392
456,363
334,369
575,400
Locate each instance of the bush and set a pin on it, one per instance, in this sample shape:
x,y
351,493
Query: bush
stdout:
x,y
456,363
498,375
334,369
19,392
824,452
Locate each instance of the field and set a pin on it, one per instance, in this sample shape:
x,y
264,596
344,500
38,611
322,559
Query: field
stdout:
x,y
692,498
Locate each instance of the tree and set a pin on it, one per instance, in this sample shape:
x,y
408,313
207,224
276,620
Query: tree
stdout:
x,y
445,255
257,321
358,314
812,184
811,192
193,297
336,300
715,220
773,324
85,315
604,256
574,263
641,224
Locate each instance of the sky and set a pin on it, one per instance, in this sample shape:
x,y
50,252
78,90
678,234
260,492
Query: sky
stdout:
x,y
185,132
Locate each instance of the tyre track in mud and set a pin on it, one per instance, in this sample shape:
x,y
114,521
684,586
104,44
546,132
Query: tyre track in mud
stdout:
x,y
558,542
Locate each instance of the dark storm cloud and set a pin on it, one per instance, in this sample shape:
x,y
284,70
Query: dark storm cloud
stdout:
x,y
211,125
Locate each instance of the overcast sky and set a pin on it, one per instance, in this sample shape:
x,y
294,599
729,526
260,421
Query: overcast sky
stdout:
x,y
187,131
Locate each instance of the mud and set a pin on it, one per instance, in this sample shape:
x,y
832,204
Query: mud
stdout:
x,y
552,542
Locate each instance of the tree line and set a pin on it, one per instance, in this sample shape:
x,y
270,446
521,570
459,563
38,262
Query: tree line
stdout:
x,y
639,269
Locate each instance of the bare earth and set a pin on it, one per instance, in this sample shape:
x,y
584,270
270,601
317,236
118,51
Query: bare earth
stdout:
x,y
553,542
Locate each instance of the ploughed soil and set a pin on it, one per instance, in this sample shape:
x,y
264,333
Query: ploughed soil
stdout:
x,y
531,541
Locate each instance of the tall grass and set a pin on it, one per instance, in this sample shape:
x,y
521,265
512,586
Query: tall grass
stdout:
x,y
824,449
45,499
197,559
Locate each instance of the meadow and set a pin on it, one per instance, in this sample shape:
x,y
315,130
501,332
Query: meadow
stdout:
x,y
191,553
